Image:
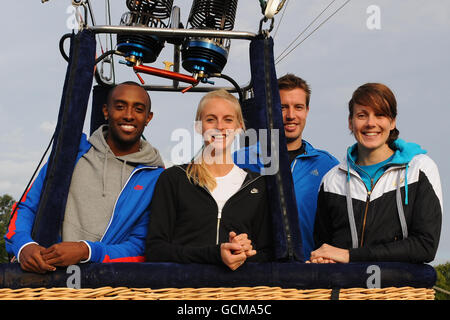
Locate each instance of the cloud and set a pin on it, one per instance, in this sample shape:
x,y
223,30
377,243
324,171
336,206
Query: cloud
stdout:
x,y
47,126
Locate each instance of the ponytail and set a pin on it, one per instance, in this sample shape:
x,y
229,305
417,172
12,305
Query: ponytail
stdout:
x,y
198,174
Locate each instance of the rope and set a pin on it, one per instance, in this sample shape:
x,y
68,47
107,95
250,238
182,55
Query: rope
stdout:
x,y
30,181
91,13
110,46
304,30
442,290
279,59
281,19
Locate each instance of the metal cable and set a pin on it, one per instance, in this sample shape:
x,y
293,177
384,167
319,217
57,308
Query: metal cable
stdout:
x,y
304,30
279,59
281,19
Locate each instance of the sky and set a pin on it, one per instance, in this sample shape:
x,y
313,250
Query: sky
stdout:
x,y
403,44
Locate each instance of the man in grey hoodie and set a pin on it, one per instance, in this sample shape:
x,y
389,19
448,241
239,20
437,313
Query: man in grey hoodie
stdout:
x,y
99,198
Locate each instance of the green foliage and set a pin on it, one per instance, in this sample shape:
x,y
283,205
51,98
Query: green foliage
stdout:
x,y
6,203
443,280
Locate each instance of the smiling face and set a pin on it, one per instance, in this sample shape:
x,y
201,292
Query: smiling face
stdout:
x,y
219,124
370,128
127,112
295,111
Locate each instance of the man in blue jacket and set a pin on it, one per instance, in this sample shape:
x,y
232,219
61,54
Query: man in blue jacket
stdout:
x,y
308,165
112,185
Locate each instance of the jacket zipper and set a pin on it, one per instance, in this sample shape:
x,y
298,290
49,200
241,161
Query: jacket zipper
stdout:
x,y
219,211
219,216
293,165
372,185
365,212
120,193
303,155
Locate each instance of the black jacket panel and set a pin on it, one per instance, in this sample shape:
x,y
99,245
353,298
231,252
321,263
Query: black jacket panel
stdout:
x,y
380,238
183,220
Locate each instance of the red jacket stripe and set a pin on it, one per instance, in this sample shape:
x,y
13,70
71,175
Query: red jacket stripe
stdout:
x,y
12,223
124,259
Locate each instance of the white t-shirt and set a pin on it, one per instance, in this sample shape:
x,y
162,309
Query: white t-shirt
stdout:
x,y
227,186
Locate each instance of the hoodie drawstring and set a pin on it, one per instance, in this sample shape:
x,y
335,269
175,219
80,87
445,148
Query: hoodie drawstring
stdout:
x,y
105,165
122,175
348,171
406,184
351,216
401,212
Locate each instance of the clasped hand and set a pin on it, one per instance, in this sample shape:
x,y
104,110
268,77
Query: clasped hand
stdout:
x,y
36,258
236,250
329,254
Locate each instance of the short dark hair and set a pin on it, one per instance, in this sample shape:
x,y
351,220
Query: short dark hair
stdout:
x,y
128,83
379,97
291,82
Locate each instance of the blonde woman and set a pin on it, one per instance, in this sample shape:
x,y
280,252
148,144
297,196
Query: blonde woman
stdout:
x,y
210,210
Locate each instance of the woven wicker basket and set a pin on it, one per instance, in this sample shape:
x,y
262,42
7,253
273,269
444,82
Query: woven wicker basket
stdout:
x,y
239,293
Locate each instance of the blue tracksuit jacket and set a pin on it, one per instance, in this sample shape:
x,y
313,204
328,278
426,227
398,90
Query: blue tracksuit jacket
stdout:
x,y
307,172
124,238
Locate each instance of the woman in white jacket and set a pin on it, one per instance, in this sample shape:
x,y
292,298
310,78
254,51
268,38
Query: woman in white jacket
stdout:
x,y
384,202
